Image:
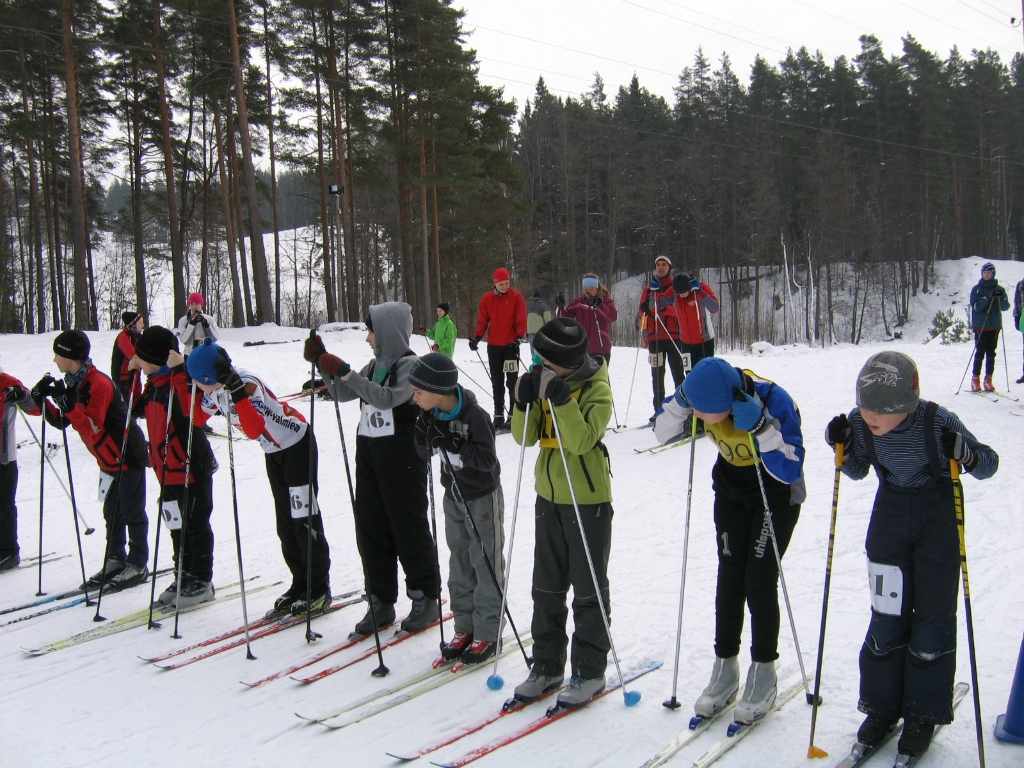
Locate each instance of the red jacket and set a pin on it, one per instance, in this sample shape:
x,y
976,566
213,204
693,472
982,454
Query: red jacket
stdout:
x,y
678,314
122,354
99,417
502,317
154,405
595,321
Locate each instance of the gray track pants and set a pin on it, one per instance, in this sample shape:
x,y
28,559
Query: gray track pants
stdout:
x,y
475,598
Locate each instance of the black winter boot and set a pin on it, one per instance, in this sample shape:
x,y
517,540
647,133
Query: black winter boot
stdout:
x,y
423,613
874,730
385,614
916,738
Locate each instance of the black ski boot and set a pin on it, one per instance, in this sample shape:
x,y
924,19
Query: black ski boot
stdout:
x,y
916,738
283,604
9,562
454,648
874,730
385,613
423,613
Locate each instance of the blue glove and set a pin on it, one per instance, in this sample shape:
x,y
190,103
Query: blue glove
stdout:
x,y
695,285
654,285
747,414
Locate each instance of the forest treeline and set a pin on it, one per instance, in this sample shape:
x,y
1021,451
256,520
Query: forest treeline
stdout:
x,y
174,145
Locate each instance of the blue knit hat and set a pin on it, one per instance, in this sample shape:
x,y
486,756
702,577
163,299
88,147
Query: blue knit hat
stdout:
x,y
988,266
709,386
201,363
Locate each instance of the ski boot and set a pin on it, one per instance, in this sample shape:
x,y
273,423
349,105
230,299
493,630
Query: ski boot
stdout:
x,y
283,604
454,648
423,613
579,691
385,614
480,651
758,693
536,685
975,384
874,730
128,576
725,682
113,566
321,601
916,738
195,591
988,385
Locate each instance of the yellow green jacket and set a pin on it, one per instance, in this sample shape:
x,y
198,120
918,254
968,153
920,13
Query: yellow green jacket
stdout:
x,y
443,334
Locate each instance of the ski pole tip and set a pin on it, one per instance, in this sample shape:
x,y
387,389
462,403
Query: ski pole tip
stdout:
x,y
90,531
672,703
813,752
632,698
380,671
495,682
811,699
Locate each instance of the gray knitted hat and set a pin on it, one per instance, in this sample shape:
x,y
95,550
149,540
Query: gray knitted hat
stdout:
x,y
888,383
435,373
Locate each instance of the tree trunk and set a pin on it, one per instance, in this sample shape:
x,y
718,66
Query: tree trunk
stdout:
x,y
237,318
273,170
75,173
34,225
138,245
325,221
236,210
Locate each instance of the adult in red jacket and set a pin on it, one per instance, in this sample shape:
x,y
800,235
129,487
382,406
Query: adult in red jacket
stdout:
x,y
595,311
87,400
674,318
124,379
502,316
13,395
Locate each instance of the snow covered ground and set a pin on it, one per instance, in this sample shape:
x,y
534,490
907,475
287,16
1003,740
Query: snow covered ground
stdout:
x,y
98,704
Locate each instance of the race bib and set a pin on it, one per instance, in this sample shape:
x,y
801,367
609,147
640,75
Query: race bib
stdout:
x,y
886,582
298,498
687,363
105,482
511,366
656,359
171,515
374,422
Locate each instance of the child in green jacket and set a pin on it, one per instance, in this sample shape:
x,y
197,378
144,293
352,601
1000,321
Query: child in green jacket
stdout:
x,y
444,332
577,387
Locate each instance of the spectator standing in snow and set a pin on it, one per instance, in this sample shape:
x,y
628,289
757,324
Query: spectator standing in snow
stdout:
x,y
502,316
13,395
124,378
595,311
444,332
1018,314
195,325
908,659
537,313
988,302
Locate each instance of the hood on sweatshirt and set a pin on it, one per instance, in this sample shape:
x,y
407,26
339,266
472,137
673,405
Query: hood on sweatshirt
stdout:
x,y
392,329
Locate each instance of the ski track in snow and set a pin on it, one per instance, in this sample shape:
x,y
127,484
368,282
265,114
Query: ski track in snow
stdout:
x,y
98,704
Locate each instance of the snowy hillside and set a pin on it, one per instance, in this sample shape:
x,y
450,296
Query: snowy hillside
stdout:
x,y
99,704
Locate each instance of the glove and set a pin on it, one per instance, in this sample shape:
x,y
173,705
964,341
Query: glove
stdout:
x,y
513,346
695,285
522,340
64,397
333,366
14,394
748,414
560,300
42,389
999,292
434,348
313,349
197,319
524,393
423,330
956,448
654,285
228,376
550,386
440,438
839,432
474,343
596,301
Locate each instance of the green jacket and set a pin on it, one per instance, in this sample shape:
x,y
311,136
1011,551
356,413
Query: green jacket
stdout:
x,y
581,424
444,334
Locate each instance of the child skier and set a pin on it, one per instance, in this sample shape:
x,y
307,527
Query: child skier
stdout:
x,y
444,332
988,302
286,440
13,395
735,404
908,659
87,400
168,389
391,478
576,386
453,424
125,379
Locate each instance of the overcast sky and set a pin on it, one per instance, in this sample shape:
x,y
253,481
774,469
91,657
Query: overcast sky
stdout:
x,y
567,41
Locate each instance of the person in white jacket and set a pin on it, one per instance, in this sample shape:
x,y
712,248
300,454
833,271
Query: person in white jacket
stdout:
x,y
195,325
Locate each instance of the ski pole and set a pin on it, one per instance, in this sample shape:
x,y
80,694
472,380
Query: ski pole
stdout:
x,y
475,383
74,505
437,551
115,511
381,670
1006,362
160,509
310,634
958,502
495,681
778,561
673,703
813,751
42,482
631,698
632,381
89,530
184,511
487,559
238,529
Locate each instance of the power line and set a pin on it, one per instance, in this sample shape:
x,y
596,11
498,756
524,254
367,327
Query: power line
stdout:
x,y
699,26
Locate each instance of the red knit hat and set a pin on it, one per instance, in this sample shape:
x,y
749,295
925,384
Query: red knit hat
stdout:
x,y
501,274
197,298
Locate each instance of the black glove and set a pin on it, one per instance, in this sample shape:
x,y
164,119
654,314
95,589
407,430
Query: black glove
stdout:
x,y
550,386
474,343
999,292
560,300
523,392
596,300
197,319
513,346
839,432
64,397
14,394
312,349
956,448
42,389
440,438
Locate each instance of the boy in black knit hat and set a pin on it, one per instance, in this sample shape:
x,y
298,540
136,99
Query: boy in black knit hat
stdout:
x,y
455,427
908,659
571,386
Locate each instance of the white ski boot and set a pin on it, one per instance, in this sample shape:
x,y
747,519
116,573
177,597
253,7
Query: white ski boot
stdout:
x,y
725,682
758,693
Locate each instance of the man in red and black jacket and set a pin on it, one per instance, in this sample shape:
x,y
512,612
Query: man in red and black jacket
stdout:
x,y
185,502
125,379
87,400
13,395
502,316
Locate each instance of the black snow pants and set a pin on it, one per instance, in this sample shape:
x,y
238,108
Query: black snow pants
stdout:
x,y
128,523
908,660
287,469
679,366
198,555
747,571
8,509
497,356
558,562
986,343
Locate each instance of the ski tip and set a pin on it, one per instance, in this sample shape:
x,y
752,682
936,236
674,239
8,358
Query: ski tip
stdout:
x,y
495,682
813,752
631,698
403,758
